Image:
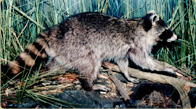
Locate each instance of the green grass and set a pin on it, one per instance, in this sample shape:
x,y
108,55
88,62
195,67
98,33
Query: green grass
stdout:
x,y
22,20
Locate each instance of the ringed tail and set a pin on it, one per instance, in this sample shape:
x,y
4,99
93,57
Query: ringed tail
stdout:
x,y
32,56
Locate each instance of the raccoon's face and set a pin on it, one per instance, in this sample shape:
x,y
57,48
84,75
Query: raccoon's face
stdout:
x,y
158,28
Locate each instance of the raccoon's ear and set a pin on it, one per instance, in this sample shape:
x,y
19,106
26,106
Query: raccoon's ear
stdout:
x,y
154,17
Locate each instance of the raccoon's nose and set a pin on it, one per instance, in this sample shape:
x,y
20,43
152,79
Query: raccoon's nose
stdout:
x,y
173,38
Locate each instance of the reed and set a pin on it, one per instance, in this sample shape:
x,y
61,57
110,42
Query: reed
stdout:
x,y
22,20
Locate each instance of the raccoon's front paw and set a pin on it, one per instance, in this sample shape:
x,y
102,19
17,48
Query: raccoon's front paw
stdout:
x,y
133,80
178,73
182,75
101,87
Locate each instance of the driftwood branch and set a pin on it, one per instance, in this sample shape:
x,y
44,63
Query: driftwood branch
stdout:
x,y
118,85
175,82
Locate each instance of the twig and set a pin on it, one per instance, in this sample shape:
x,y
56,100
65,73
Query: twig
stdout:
x,y
17,40
26,24
25,15
51,87
118,85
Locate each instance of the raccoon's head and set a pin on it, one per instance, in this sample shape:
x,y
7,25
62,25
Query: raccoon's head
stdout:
x,y
157,28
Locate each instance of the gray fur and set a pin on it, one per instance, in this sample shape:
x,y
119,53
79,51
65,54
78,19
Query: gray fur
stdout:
x,y
84,41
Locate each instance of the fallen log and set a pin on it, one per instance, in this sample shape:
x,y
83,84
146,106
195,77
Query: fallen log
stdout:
x,y
175,82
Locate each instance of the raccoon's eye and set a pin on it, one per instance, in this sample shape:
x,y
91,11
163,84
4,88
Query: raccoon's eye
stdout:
x,y
166,34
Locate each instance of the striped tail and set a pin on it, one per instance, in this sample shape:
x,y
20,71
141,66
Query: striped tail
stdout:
x,y
32,56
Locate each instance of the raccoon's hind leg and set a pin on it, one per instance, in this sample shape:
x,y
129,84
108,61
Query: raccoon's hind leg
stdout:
x,y
52,64
88,69
123,65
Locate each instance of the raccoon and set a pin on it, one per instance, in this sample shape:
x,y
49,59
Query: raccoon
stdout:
x,y
83,41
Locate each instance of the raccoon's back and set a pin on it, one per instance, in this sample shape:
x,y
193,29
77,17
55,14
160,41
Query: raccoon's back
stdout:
x,y
74,38
80,35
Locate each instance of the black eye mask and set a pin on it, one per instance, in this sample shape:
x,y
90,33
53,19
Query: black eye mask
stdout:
x,y
166,35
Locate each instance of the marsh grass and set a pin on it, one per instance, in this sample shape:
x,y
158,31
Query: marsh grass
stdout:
x,y
22,20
